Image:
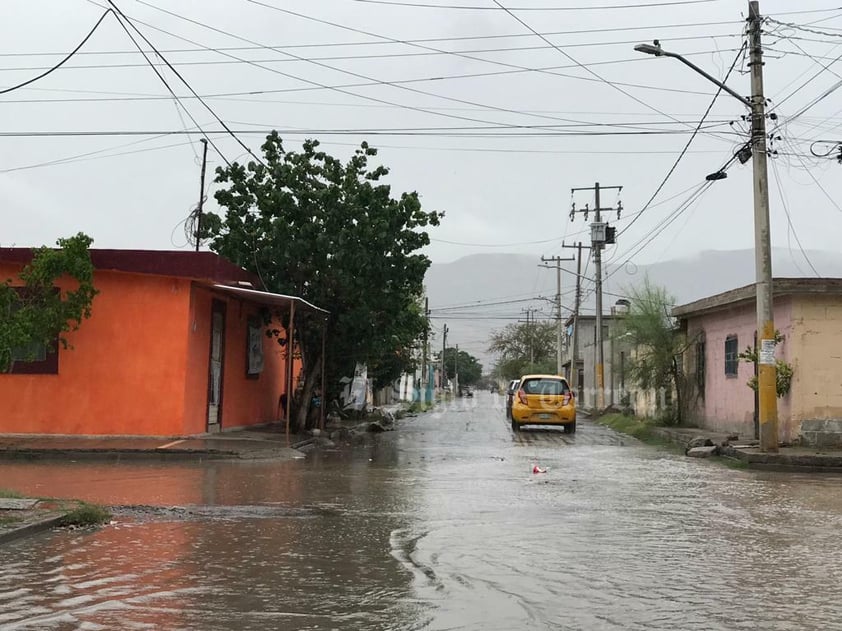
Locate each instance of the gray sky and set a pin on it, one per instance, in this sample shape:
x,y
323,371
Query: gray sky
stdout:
x,y
576,120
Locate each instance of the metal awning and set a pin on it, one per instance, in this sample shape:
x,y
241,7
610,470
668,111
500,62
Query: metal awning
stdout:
x,y
268,298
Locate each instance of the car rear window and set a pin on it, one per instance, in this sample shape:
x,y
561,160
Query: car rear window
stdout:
x,y
545,386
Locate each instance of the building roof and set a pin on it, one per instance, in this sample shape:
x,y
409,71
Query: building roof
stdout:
x,y
748,294
207,266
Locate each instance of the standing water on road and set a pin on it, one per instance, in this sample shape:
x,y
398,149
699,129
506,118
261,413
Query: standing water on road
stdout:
x,y
439,525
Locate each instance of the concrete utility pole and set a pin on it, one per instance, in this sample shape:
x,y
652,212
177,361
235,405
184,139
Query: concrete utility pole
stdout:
x,y
574,353
601,234
424,376
456,367
559,322
767,370
201,205
443,378
530,330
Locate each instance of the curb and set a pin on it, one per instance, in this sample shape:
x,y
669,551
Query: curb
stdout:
x,y
33,527
139,454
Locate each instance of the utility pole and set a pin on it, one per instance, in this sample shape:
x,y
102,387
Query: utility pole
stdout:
x,y
767,370
601,234
443,378
530,330
574,354
425,378
456,367
559,322
201,193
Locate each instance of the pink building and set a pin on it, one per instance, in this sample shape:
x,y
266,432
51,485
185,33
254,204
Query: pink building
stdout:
x,y
808,315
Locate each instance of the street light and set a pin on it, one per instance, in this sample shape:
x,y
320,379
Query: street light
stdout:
x,y
766,380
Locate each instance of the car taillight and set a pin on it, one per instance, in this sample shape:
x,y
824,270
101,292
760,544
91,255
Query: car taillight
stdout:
x,y
566,398
521,396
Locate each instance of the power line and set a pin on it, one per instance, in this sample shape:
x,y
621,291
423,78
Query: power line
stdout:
x,y
687,144
428,51
342,132
398,41
789,219
470,7
63,61
188,86
348,72
586,68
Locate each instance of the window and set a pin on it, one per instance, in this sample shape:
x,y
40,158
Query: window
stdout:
x,y
732,360
34,358
553,387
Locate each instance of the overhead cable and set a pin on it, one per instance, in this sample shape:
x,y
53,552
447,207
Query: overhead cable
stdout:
x,y
62,62
687,144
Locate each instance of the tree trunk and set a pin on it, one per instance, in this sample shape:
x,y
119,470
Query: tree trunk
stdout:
x,y
679,399
311,376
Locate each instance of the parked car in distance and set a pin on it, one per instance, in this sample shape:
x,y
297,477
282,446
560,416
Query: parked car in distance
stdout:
x,y
544,400
510,393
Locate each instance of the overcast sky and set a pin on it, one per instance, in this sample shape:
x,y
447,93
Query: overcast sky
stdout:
x,y
486,120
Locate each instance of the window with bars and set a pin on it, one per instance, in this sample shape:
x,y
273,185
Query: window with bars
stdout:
x,y
732,359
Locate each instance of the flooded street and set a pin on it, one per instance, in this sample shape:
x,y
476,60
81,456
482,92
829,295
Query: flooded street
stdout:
x,y
439,525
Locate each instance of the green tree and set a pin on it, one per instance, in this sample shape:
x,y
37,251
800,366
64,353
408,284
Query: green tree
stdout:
x,y
470,370
331,233
35,313
524,348
652,332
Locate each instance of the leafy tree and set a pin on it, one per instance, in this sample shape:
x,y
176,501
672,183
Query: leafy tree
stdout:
x,y
470,370
651,330
783,369
524,348
332,234
35,313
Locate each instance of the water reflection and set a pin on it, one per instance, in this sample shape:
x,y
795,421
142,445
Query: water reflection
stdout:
x,y
440,526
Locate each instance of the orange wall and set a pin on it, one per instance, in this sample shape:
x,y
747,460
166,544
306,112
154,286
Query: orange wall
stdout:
x,y
244,401
139,366
125,374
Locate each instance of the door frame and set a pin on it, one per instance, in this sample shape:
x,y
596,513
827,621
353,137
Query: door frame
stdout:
x,y
220,307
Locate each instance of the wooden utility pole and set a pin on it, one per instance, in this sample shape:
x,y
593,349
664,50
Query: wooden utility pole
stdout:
x,y
601,234
559,322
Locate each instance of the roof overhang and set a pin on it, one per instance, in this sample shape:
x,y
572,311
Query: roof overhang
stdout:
x,y
267,298
748,294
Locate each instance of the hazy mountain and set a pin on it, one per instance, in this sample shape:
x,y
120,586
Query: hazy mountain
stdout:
x,y
461,292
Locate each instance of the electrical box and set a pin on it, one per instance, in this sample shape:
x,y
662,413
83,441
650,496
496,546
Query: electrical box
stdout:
x,y
598,230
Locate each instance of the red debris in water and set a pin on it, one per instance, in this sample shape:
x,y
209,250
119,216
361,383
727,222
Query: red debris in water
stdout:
x,y
537,469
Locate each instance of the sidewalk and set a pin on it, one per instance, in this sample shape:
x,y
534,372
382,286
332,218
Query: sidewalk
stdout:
x,y
267,442
748,451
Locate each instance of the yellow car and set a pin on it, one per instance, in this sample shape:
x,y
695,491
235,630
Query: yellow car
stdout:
x,y
544,400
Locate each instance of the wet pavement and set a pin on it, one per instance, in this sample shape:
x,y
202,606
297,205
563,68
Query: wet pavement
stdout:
x,y
439,525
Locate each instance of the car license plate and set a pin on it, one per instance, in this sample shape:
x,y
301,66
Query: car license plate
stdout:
x,y
545,416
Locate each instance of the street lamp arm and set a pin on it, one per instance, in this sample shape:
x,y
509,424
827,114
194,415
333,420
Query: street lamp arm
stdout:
x,y
659,52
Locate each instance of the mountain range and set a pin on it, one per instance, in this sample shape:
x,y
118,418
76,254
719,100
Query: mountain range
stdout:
x,y
478,294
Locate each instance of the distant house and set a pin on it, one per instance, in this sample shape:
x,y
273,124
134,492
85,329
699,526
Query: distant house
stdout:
x,y
808,314
616,353
175,346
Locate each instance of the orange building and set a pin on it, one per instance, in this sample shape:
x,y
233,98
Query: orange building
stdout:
x,y
175,346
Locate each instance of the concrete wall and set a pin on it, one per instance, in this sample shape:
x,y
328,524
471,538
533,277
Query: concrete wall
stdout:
x,y
106,384
816,342
727,403
139,366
